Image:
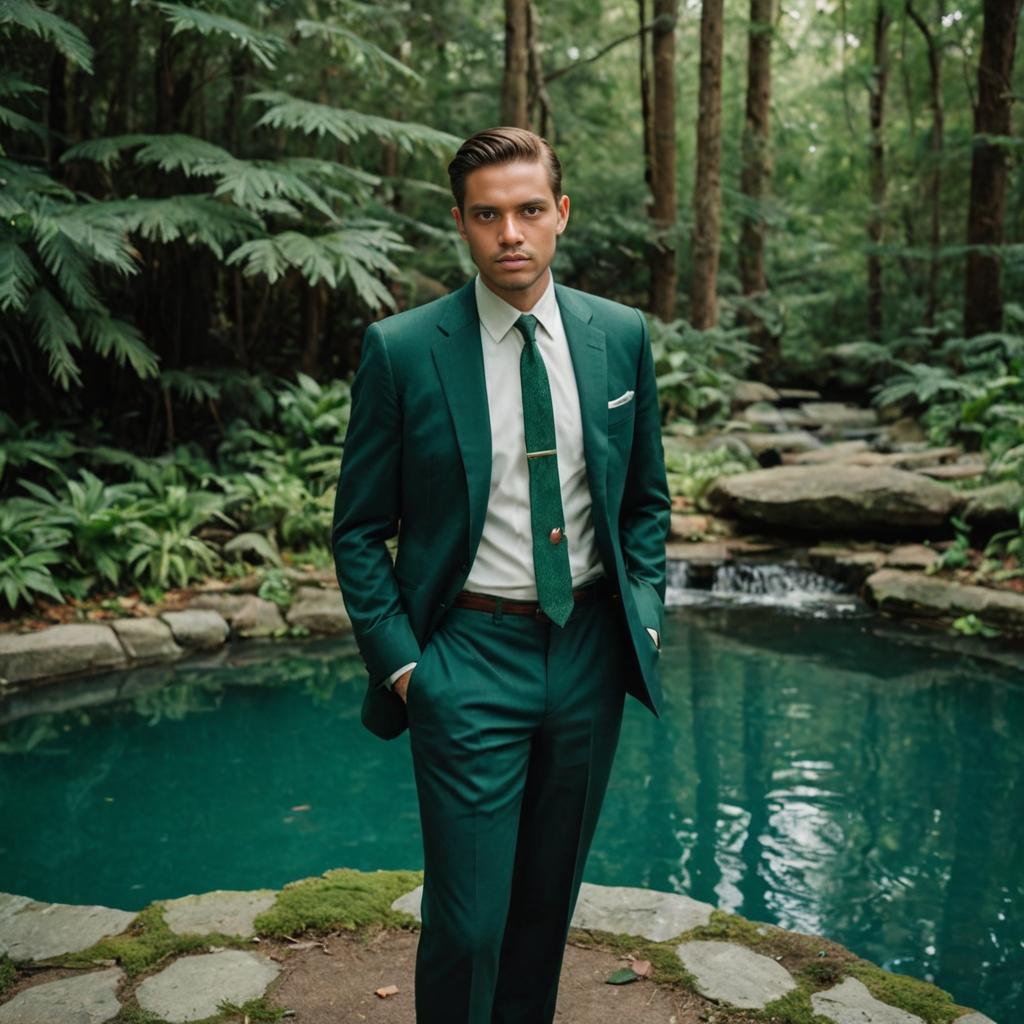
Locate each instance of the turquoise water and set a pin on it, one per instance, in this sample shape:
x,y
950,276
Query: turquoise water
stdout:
x,y
825,775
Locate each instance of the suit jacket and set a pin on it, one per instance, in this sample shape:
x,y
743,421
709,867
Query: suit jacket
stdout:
x,y
418,454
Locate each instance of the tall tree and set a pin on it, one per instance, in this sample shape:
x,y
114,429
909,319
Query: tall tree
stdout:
x,y
756,175
936,144
515,86
665,193
983,294
876,217
707,212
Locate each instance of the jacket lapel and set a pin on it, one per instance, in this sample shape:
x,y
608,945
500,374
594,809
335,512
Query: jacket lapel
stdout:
x,y
590,365
460,364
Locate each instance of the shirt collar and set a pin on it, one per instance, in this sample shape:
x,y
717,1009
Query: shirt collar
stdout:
x,y
498,317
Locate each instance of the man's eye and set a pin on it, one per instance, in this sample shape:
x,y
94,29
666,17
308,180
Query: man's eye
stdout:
x,y
485,215
532,211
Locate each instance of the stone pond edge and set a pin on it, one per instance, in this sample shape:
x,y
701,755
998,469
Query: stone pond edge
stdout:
x,y
350,900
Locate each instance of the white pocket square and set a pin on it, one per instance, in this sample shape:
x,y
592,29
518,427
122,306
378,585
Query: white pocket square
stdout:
x,y
621,400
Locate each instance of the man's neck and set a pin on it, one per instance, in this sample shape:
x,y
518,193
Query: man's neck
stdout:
x,y
526,299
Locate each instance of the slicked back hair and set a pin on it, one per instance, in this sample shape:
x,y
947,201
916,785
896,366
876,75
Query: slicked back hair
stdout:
x,y
502,146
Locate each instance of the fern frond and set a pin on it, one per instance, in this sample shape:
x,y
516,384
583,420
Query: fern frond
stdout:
x,y
11,85
21,179
20,123
17,277
171,152
251,183
345,125
190,386
354,47
56,335
67,38
262,45
71,269
93,229
111,337
273,257
198,220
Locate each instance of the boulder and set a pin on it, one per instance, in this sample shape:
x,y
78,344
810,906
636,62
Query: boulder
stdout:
x,y
319,611
914,593
258,617
995,507
58,651
146,639
197,627
833,499
225,605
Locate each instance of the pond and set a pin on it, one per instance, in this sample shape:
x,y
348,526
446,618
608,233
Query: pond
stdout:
x,y
833,775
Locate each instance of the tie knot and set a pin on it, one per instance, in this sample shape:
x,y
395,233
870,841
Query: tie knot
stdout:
x,y
527,325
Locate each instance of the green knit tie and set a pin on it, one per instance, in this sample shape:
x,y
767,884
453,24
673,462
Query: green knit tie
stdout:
x,y
550,547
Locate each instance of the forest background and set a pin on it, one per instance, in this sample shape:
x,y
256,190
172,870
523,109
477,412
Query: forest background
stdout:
x,y
204,205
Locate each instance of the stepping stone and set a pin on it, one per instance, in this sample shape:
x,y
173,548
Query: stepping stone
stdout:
x,y
192,986
851,1003
763,414
625,910
954,471
319,611
229,912
911,556
836,452
974,1018
735,975
657,916
225,605
79,999
146,639
839,414
747,392
30,930
783,441
58,651
197,627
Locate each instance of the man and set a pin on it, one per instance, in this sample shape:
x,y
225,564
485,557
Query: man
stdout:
x,y
511,429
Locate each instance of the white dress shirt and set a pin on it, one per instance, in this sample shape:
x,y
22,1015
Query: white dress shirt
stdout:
x,y
504,559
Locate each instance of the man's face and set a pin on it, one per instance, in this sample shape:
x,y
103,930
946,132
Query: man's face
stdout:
x,y
511,221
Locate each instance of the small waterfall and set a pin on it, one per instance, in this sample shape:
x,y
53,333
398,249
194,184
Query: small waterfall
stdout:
x,y
780,585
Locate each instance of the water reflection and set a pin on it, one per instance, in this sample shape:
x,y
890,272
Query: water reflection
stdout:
x,y
807,772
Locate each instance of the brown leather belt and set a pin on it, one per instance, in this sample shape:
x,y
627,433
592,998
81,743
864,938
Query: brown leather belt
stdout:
x,y
504,605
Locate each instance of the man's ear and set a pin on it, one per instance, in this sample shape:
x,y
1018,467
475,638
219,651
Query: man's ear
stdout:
x,y
563,213
458,222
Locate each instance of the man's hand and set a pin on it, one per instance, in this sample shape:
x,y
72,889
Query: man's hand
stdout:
x,y
402,685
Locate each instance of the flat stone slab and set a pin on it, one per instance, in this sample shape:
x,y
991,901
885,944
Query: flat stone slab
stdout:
x,y
31,930
192,986
319,611
79,999
732,974
837,452
839,414
58,651
833,498
914,593
229,912
851,1003
911,556
782,441
146,639
974,1018
657,916
196,627
225,605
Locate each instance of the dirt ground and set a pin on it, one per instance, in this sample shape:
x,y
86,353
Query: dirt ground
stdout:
x,y
337,986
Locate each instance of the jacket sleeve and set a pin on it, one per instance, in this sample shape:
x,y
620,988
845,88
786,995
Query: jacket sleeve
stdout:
x,y
646,505
367,509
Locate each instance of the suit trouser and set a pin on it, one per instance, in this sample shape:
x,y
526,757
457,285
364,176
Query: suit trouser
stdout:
x,y
513,726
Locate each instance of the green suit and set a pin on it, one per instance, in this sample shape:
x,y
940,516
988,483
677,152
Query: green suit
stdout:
x,y
513,721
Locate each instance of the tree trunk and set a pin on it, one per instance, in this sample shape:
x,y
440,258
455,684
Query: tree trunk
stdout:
x,y
515,91
542,118
876,218
666,202
755,177
935,146
983,298
707,212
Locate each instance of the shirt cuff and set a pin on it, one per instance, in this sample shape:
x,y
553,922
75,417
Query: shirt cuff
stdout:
x,y
394,677
654,637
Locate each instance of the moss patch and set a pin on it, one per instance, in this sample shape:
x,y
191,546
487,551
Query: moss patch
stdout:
x,y
667,967
340,898
930,1003
8,973
146,942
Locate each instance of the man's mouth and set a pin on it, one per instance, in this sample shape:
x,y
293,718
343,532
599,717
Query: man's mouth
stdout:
x,y
513,259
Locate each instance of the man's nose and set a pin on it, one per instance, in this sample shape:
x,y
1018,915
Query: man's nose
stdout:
x,y
510,231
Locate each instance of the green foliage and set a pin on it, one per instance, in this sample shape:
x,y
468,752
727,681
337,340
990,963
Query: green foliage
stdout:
x,y
971,625
690,473
696,370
